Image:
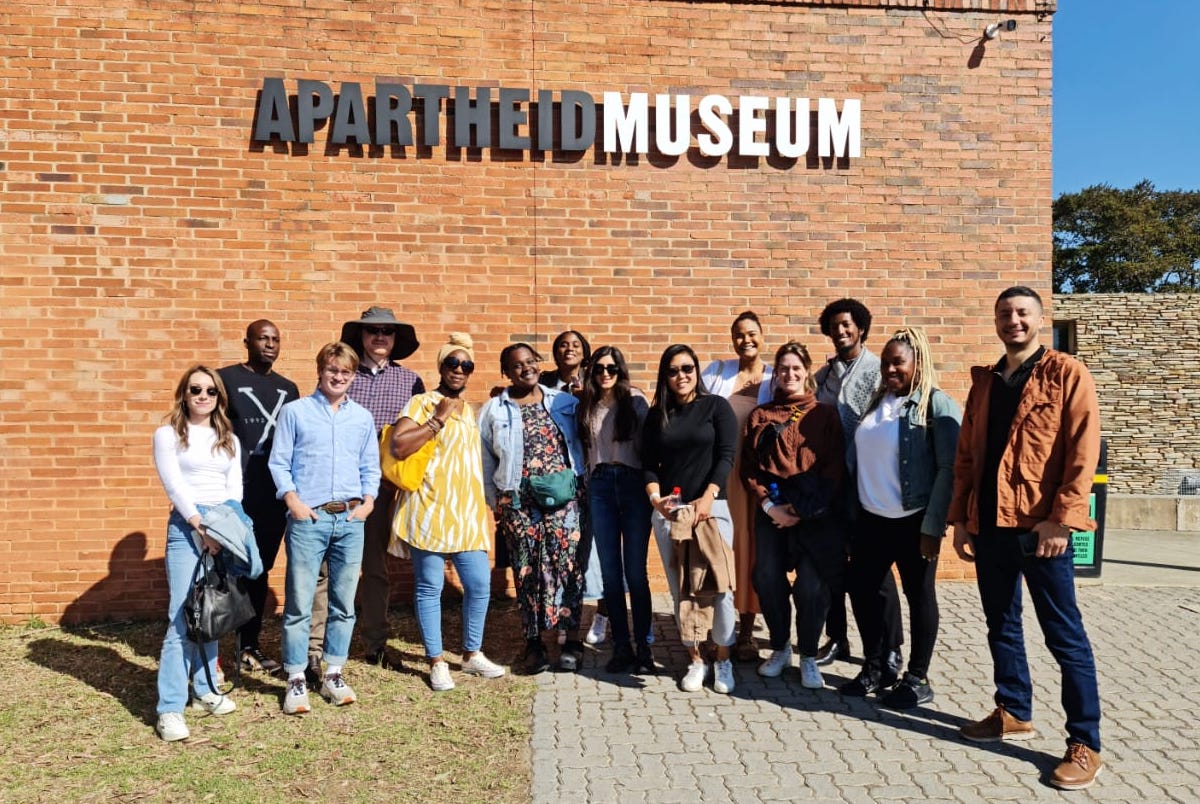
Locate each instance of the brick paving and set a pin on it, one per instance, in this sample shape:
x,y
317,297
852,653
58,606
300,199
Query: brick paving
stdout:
x,y
608,738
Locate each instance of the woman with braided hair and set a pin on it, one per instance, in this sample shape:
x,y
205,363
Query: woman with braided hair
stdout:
x,y
903,461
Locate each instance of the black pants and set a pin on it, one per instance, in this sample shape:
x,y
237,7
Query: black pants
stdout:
x,y
835,620
815,551
880,544
269,516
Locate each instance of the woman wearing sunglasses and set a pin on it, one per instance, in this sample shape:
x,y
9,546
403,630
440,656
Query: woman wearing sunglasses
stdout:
x,y
199,462
532,460
446,519
746,382
611,415
689,442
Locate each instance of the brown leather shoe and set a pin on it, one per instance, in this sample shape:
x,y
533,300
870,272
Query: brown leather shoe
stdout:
x,y
997,726
1079,768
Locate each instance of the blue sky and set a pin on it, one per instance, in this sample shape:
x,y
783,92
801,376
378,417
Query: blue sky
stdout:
x,y
1126,93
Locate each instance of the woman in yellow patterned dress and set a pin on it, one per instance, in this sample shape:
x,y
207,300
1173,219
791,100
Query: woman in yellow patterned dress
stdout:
x,y
447,517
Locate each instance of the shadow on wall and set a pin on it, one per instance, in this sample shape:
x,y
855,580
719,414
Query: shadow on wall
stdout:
x,y
134,587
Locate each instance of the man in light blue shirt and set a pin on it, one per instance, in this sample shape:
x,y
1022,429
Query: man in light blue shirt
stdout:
x,y
325,463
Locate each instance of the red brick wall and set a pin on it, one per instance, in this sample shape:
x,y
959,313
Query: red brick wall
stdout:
x,y
140,229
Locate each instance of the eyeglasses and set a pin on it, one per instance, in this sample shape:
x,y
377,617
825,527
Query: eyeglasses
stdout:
x,y
453,363
379,330
532,362
336,372
606,368
196,390
673,371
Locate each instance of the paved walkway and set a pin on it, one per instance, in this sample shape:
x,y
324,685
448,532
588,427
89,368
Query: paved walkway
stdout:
x,y
602,738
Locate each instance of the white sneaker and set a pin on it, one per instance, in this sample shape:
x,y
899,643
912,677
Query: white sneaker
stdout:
x,y
214,704
776,663
694,680
171,727
480,665
723,682
295,700
598,631
810,674
336,690
439,677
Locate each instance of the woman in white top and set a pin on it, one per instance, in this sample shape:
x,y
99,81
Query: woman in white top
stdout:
x,y
746,382
903,459
199,462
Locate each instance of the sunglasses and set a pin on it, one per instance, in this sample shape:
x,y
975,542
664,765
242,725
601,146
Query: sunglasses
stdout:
x,y
379,330
196,390
453,363
673,371
606,368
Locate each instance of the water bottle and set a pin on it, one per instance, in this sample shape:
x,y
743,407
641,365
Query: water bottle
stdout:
x,y
673,500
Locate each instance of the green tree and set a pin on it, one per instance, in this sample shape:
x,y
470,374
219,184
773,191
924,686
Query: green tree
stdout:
x,y
1109,240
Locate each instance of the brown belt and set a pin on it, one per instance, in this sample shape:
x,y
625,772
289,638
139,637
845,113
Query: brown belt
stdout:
x,y
338,507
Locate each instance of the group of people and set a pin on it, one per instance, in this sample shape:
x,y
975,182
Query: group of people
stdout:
x,y
767,486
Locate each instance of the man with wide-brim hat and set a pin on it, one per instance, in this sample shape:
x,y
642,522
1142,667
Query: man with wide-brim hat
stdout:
x,y
383,387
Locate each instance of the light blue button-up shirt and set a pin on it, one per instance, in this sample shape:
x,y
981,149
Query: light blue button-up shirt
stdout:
x,y
325,455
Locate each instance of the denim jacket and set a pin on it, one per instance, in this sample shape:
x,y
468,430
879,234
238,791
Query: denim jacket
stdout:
x,y
504,446
926,459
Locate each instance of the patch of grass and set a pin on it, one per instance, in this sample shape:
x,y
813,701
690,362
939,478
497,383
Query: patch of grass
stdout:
x,y
78,724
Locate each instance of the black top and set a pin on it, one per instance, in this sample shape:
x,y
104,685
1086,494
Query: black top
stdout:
x,y
254,404
696,448
1003,398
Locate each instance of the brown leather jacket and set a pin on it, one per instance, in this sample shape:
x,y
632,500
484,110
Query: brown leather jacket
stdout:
x,y
1049,462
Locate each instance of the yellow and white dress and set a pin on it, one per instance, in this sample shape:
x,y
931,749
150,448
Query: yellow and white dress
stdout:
x,y
448,513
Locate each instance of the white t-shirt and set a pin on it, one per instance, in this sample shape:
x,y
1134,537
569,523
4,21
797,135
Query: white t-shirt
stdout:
x,y
877,443
196,475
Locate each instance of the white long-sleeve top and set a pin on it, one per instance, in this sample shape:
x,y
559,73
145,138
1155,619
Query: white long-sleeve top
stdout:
x,y
197,475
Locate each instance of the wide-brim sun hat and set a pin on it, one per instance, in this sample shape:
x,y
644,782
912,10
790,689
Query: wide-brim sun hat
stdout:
x,y
406,337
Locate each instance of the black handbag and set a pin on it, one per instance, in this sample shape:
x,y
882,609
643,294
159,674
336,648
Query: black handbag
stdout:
x,y
217,603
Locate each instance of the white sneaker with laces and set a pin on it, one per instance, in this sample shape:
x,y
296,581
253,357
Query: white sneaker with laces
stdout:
x,y
171,727
694,680
598,631
439,677
295,700
776,663
336,690
810,674
723,681
214,704
480,665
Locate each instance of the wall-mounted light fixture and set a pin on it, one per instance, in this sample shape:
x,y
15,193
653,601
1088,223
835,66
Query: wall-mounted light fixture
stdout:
x,y
993,30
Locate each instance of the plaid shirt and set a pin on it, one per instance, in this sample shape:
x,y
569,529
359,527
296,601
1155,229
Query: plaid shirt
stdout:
x,y
385,393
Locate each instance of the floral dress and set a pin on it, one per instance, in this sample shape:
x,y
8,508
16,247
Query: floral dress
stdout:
x,y
543,544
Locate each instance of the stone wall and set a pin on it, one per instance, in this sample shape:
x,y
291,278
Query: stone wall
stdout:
x,y
1144,352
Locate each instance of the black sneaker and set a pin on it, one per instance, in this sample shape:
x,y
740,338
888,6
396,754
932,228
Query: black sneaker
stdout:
x,y
255,659
622,659
536,658
313,674
834,650
894,662
378,658
571,656
909,693
645,665
863,685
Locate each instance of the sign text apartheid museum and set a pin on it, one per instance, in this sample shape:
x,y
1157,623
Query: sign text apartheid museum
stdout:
x,y
562,120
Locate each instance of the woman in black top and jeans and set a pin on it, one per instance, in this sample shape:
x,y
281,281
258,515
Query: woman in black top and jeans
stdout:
x,y
689,441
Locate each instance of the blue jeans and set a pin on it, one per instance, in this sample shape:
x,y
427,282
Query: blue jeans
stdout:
x,y
180,656
999,566
724,613
429,575
338,541
620,517
816,551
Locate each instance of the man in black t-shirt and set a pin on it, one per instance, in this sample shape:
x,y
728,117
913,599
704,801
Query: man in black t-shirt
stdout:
x,y
256,396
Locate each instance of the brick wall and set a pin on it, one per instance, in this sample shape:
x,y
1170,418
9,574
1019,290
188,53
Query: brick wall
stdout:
x,y
141,229
1142,350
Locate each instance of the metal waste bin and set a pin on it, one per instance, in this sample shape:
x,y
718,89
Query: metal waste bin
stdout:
x,y
1089,546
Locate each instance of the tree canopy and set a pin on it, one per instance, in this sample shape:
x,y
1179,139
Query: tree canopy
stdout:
x,y
1109,240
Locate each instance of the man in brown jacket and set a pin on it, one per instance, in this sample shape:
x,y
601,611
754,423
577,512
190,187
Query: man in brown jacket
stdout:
x,y
1027,453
